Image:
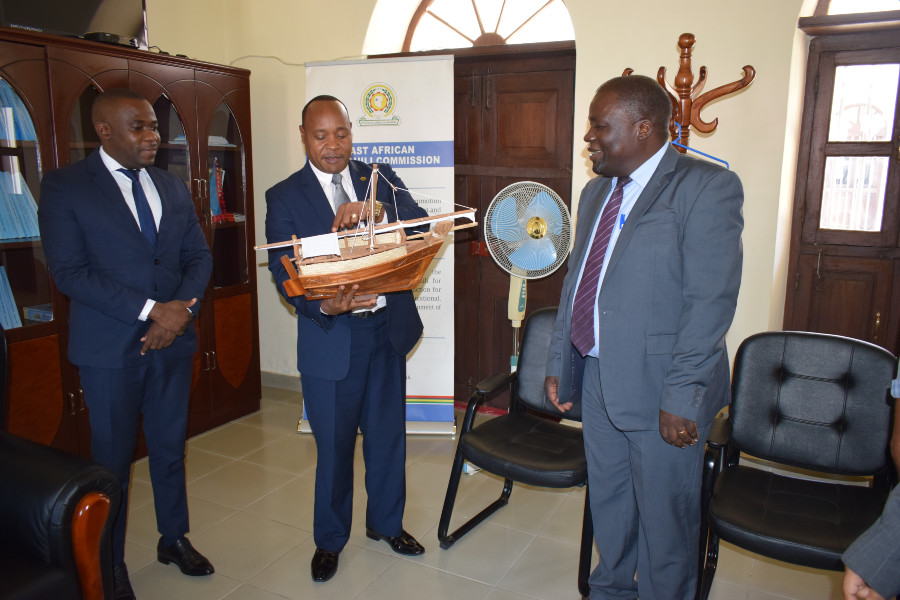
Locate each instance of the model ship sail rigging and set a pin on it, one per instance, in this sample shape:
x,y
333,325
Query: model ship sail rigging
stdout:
x,y
377,258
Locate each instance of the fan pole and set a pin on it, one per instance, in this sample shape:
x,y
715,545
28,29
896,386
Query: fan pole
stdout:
x,y
516,312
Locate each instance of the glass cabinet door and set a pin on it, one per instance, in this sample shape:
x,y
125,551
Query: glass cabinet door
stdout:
x,y
227,199
172,155
25,298
82,138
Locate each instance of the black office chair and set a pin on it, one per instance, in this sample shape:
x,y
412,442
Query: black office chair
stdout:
x,y
809,400
56,514
523,445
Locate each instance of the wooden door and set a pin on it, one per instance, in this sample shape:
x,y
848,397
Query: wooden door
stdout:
x,y
513,122
845,250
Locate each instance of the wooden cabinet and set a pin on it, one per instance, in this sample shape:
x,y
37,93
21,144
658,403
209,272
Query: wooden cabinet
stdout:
x,y
204,115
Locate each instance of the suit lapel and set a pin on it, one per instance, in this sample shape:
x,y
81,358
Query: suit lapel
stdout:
x,y
649,195
312,190
112,195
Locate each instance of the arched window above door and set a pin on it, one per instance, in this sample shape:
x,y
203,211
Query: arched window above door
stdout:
x,y
438,24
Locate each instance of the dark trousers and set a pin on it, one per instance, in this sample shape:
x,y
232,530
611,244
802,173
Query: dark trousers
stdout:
x,y
372,398
158,389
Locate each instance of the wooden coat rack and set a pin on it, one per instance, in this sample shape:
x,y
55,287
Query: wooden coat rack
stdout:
x,y
686,104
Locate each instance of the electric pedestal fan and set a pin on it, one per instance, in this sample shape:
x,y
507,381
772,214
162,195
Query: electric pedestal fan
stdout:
x,y
528,232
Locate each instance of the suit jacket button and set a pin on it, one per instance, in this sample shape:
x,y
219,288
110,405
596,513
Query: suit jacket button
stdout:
x,y
156,261
155,288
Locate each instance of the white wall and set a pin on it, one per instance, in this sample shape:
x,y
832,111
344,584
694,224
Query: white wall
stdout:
x,y
756,134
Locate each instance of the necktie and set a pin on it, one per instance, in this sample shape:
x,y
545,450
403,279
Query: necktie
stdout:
x,y
582,334
145,215
339,196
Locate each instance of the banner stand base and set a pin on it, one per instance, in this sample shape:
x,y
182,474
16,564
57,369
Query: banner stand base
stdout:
x,y
412,427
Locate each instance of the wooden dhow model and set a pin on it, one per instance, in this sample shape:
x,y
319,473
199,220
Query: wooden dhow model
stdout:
x,y
377,258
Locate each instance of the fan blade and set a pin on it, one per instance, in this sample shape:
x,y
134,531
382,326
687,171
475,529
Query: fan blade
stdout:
x,y
504,222
545,207
534,255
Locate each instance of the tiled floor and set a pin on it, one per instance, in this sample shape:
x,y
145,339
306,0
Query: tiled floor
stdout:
x,y
250,487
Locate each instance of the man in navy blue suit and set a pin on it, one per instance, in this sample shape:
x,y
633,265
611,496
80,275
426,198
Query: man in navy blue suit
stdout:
x,y
351,349
123,242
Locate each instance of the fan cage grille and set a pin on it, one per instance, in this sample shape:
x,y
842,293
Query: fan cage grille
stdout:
x,y
524,192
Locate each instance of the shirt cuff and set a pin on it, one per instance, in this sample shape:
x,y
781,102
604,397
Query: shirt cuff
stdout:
x,y
148,306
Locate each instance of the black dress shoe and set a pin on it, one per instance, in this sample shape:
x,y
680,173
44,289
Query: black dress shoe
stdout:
x,y
324,564
402,544
183,554
121,584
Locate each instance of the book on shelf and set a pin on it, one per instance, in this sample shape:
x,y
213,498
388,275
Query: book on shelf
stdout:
x,y
9,314
18,210
39,312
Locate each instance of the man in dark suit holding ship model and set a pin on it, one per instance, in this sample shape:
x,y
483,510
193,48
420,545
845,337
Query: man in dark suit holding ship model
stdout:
x,y
351,349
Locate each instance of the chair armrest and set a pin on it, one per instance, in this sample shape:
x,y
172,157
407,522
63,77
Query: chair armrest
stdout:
x,y
493,383
719,433
483,389
41,490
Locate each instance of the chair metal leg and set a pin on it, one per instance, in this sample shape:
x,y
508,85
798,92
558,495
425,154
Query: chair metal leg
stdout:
x,y
709,571
452,487
450,499
587,547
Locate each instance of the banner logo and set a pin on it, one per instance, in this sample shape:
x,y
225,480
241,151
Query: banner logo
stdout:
x,y
379,102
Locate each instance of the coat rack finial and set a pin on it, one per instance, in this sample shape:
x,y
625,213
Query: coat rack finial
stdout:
x,y
684,94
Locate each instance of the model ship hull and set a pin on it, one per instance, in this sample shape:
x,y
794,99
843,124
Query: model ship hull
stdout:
x,y
389,271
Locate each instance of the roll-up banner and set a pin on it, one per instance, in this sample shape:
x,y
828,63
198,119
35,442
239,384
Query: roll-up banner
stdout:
x,y
402,115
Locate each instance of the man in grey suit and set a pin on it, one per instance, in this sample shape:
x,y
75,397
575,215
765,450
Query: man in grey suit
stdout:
x,y
873,560
651,289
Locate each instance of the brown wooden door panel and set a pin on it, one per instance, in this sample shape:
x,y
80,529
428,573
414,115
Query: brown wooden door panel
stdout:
x,y
235,370
467,136
528,119
844,296
37,409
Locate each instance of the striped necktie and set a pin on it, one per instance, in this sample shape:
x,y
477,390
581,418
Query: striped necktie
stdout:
x,y
582,333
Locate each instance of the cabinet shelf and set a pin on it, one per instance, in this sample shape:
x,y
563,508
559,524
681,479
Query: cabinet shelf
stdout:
x,y
18,243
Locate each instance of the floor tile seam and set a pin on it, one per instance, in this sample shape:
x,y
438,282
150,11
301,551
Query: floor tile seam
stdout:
x,y
304,471
218,522
388,565
276,521
269,564
237,585
245,454
411,559
215,469
510,568
256,587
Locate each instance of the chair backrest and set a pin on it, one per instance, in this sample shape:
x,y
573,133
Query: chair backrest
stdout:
x,y
532,365
813,400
